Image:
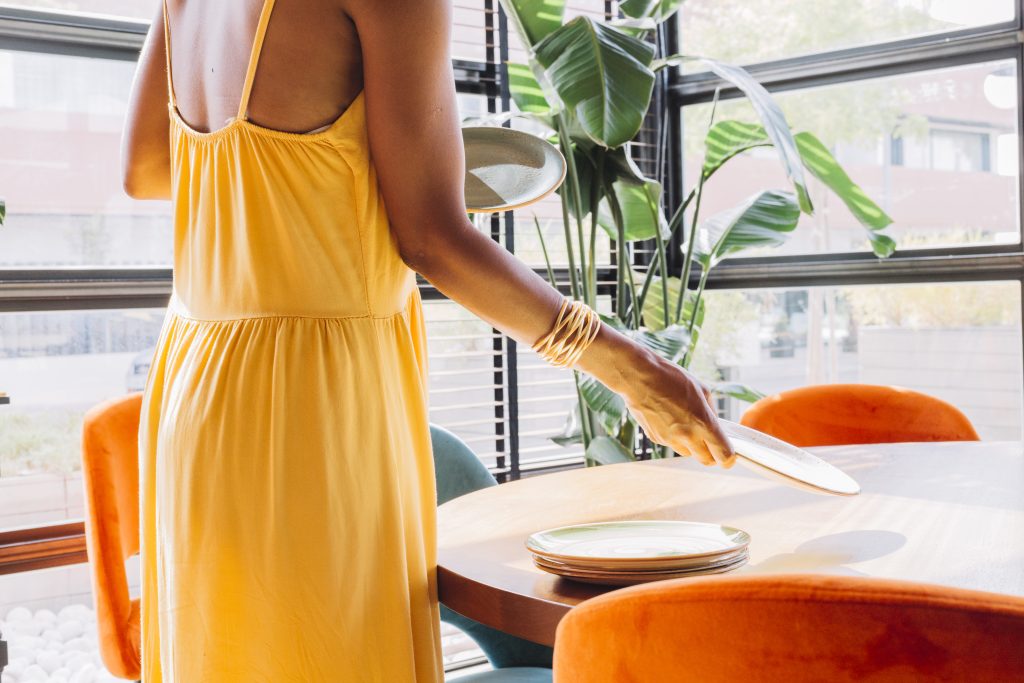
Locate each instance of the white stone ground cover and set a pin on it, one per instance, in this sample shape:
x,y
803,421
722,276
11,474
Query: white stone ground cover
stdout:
x,y
49,647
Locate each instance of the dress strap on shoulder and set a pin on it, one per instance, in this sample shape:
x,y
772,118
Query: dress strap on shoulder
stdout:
x,y
167,54
254,57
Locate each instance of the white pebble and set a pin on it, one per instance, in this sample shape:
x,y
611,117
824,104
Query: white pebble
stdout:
x,y
76,645
33,673
75,660
69,628
16,650
49,660
18,614
87,674
80,612
16,666
29,627
33,643
52,636
62,672
46,616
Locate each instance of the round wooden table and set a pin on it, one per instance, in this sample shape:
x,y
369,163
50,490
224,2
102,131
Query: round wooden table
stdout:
x,y
947,513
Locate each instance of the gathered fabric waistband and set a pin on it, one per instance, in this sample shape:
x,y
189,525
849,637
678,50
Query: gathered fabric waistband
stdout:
x,y
178,308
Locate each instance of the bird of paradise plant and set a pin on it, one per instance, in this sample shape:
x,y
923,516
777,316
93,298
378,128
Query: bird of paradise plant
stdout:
x,y
590,83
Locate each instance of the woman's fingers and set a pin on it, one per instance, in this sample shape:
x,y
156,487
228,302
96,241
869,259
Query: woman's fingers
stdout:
x,y
723,456
700,450
719,444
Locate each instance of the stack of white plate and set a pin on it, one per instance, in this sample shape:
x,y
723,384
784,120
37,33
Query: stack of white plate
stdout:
x,y
637,551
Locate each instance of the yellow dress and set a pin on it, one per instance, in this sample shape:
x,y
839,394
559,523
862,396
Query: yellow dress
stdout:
x,y
287,490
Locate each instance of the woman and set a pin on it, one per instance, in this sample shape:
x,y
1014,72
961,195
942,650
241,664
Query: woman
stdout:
x,y
287,488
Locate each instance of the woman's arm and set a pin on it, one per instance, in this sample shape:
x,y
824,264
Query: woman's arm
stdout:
x,y
416,144
145,141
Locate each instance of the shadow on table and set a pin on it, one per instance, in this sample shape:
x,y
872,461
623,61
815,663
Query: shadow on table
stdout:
x,y
832,553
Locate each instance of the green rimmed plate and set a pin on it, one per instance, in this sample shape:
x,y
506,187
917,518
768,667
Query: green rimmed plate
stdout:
x,y
508,169
785,462
635,541
625,578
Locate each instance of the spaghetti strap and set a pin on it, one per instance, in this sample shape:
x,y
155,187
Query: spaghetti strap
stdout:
x,y
254,57
167,54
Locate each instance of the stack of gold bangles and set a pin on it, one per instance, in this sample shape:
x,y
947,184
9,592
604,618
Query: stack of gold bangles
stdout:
x,y
575,328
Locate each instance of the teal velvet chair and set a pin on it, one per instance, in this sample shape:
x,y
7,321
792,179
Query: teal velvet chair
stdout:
x,y
458,472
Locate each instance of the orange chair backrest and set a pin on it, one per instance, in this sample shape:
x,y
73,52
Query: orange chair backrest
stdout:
x,y
110,471
791,629
839,414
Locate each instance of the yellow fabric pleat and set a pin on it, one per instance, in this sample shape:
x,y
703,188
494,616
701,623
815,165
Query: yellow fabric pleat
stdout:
x,y
287,488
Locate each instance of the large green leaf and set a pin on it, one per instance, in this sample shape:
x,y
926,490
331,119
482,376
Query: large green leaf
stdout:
x,y
820,162
634,27
525,90
736,390
620,166
774,122
671,343
641,212
585,173
572,429
764,219
604,450
659,10
606,404
602,75
728,138
534,19
613,321
671,60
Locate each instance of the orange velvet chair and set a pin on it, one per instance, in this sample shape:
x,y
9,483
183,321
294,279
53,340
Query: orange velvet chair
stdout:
x,y
110,470
791,629
839,414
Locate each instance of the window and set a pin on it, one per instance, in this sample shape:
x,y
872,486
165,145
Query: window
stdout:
x,y
736,30
919,100
113,8
960,342
917,143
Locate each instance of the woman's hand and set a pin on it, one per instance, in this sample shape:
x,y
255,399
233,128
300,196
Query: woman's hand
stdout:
x,y
673,407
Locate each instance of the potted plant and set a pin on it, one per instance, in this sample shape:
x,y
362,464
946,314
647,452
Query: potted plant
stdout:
x,y
590,83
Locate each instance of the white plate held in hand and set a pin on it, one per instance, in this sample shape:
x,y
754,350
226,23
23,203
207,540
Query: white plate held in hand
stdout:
x,y
508,169
783,461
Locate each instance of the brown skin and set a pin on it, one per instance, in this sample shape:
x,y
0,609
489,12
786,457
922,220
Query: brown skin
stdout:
x,y
400,49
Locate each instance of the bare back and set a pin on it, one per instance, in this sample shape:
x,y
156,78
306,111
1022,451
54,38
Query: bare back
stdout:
x,y
309,70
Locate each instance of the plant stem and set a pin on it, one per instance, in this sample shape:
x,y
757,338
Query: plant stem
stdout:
x,y
696,302
660,245
585,426
673,225
544,248
573,283
627,434
574,185
688,261
622,266
595,198
677,217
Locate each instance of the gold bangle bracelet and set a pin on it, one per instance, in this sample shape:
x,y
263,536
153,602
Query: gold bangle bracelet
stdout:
x,y
575,328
